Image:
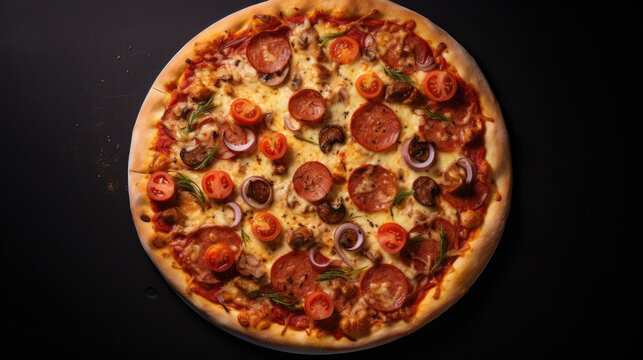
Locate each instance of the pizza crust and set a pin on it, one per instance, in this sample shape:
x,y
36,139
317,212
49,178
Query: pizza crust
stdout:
x,y
464,270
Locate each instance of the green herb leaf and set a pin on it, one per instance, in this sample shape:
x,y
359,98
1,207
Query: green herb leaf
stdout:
x,y
304,139
273,296
396,75
208,158
202,107
435,115
443,250
192,187
338,273
401,196
244,236
328,37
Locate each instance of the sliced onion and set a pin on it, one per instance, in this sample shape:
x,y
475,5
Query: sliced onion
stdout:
x,y
427,64
238,213
468,165
250,135
267,119
311,255
339,233
291,124
414,163
248,199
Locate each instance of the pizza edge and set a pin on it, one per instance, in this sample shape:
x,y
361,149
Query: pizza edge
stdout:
x,y
464,270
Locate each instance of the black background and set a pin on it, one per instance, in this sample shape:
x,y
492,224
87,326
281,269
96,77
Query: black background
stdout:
x,y
76,281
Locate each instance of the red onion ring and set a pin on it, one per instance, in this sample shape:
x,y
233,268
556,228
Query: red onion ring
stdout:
x,y
414,163
291,124
427,64
468,165
238,213
339,232
252,138
311,255
250,201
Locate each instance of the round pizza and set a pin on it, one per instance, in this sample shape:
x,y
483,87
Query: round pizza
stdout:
x,y
320,176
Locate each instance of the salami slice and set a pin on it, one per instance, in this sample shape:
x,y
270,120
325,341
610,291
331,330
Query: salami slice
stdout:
x,y
375,126
268,51
312,181
293,274
307,105
423,253
234,134
372,187
189,252
384,287
468,198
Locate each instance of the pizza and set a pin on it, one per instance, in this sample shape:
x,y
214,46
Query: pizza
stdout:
x,y
320,176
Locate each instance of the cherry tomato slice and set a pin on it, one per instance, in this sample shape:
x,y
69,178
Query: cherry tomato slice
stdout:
x,y
217,184
369,86
219,257
245,111
265,226
344,50
273,145
392,237
160,186
439,85
319,305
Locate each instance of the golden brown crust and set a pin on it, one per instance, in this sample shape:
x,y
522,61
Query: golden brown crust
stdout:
x,y
465,269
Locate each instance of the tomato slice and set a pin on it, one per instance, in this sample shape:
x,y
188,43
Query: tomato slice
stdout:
x,y
265,226
160,186
273,145
392,237
439,85
217,184
219,257
245,111
319,305
344,50
369,86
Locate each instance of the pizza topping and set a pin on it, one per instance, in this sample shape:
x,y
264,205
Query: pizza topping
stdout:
x,y
273,146
469,197
276,78
372,188
160,186
369,85
291,124
194,156
344,50
307,105
329,214
384,287
190,186
439,85
418,155
219,257
318,305
312,181
249,265
330,135
428,248
375,126
245,111
265,226
298,237
424,61
348,236
425,190
317,259
268,51
391,237
256,191
217,184
468,165
403,92
293,274
234,135
238,213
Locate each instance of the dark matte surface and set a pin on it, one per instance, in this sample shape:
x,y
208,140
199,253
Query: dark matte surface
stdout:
x,y
76,280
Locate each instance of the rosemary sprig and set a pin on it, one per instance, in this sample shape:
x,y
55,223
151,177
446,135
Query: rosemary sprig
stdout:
x,y
396,75
443,245
304,139
191,187
434,114
401,196
244,236
338,273
273,296
328,37
202,107
208,158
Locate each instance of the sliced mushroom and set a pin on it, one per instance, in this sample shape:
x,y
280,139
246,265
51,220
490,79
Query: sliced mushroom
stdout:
x,y
330,135
248,265
259,191
195,156
295,84
329,214
425,190
419,150
276,78
298,237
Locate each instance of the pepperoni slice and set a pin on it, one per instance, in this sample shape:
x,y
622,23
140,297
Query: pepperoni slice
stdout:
x,y
293,274
307,105
468,198
423,253
234,134
312,181
375,126
268,51
190,252
372,187
384,287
